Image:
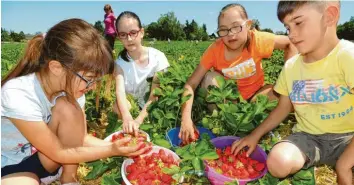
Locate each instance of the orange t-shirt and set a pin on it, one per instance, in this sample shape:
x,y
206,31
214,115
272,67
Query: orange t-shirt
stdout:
x,y
245,69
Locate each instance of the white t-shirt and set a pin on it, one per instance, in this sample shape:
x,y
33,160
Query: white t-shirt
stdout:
x,y
135,76
22,98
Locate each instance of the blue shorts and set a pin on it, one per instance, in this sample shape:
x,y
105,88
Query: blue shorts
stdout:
x,y
31,164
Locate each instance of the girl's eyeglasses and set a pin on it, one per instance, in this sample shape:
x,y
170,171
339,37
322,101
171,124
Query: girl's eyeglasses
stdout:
x,y
133,34
89,83
235,29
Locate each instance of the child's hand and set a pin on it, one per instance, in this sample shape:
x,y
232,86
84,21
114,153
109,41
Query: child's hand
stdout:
x,y
250,141
129,151
130,125
187,131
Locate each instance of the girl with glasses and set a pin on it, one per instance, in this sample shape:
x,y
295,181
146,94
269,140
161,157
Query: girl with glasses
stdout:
x,y
135,64
236,55
42,105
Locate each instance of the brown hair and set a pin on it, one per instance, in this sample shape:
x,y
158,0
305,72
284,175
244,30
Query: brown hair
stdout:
x,y
240,8
74,43
108,7
243,14
287,7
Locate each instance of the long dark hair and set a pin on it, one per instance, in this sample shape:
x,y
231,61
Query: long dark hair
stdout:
x,y
74,43
124,53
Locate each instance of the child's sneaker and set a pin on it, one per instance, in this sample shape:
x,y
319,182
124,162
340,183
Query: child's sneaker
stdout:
x,y
48,180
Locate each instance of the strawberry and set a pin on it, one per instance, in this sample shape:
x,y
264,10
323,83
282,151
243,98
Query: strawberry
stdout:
x,y
219,152
170,159
225,168
250,170
227,151
259,167
244,161
166,178
114,137
253,162
244,174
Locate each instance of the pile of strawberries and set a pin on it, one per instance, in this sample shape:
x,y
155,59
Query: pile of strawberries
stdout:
x,y
238,167
141,138
147,170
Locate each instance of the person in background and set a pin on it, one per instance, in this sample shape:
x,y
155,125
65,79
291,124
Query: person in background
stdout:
x,y
109,28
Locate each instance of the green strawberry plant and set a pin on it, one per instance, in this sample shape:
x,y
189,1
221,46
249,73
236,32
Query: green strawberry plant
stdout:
x,y
226,91
101,166
193,156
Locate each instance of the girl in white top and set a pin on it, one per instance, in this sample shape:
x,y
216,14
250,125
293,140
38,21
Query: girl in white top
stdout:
x,y
134,66
39,106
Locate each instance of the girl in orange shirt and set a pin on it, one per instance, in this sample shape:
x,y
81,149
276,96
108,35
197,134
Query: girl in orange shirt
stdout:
x,y
237,55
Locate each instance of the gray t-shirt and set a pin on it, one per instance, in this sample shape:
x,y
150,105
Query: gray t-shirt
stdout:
x,y
22,98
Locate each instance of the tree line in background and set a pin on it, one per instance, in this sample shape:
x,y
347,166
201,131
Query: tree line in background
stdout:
x,y
12,36
169,27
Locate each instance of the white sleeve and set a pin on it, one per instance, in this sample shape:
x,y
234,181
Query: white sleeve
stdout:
x,y
82,101
162,61
19,104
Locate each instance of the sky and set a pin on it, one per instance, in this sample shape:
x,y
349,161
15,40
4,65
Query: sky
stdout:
x,y
39,16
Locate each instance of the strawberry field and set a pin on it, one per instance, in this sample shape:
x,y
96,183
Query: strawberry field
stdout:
x,y
228,119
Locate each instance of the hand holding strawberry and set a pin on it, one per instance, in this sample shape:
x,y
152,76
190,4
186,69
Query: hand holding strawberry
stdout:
x,y
121,148
250,141
196,137
187,132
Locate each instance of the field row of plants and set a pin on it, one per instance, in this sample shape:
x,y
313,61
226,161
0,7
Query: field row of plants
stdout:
x,y
228,119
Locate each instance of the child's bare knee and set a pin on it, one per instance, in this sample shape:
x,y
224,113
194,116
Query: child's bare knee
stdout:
x,y
285,159
278,166
210,79
71,128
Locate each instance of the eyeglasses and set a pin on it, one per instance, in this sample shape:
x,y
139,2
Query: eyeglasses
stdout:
x,y
235,29
133,34
89,83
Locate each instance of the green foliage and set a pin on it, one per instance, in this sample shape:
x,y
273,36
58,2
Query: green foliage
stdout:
x,y
167,26
273,66
232,116
346,30
99,26
5,36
